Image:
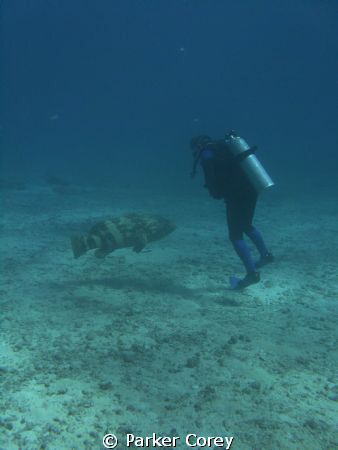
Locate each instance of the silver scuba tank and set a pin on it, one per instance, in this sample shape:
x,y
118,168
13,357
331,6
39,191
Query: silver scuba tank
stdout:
x,y
256,173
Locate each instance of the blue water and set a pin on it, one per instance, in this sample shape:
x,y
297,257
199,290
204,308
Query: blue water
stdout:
x,y
99,101
120,86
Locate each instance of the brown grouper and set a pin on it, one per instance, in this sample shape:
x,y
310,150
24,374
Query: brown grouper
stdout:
x,y
131,230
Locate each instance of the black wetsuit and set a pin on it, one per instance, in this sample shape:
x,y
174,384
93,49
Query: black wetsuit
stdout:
x,y
225,179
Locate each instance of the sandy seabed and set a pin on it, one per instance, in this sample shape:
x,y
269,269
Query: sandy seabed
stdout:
x,y
156,342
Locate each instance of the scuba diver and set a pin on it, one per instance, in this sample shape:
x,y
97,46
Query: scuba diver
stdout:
x,y
233,173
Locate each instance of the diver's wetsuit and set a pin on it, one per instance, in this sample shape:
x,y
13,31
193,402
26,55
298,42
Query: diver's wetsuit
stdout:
x,y
225,179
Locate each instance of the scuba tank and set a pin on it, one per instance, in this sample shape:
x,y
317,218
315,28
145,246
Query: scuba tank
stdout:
x,y
244,154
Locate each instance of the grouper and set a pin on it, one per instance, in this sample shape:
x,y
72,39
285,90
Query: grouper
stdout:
x,y
130,230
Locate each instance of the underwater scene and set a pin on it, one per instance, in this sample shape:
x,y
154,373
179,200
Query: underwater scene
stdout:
x,y
169,224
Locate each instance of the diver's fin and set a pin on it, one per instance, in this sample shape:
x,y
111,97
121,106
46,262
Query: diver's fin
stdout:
x,y
250,278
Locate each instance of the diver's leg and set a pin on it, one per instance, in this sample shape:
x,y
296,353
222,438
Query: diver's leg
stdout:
x,y
244,253
235,225
258,241
255,236
266,257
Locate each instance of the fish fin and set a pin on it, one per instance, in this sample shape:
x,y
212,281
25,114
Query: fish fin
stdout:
x,y
78,243
234,282
100,253
140,242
